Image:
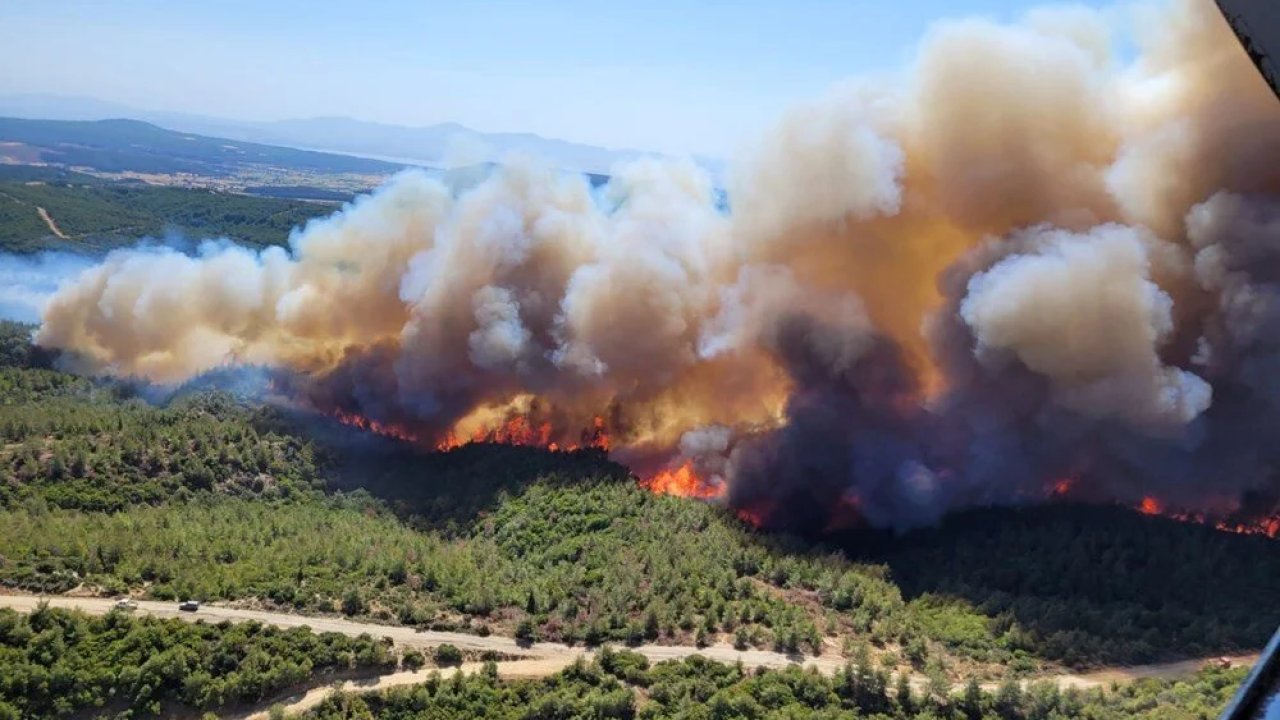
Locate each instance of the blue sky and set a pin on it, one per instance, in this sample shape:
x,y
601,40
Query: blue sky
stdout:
x,y
669,75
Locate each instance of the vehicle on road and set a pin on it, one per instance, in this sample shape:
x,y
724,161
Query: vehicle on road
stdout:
x,y
189,605
126,604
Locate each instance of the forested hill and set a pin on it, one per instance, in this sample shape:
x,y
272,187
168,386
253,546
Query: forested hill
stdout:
x,y
213,496
1093,582
94,216
220,498
132,145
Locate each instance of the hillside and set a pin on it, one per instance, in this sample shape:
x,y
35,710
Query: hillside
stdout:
x,y
1098,583
139,147
96,216
56,662
564,546
426,144
213,499
227,500
621,685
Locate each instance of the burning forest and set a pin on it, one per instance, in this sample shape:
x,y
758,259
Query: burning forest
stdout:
x,y
1019,260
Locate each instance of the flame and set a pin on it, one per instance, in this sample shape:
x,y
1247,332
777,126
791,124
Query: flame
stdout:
x,y
378,428
1062,487
518,430
514,429
597,436
521,430
755,515
683,481
1267,526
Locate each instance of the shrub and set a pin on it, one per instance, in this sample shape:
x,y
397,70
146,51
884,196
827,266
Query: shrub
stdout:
x,y
447,654
526,633
413,659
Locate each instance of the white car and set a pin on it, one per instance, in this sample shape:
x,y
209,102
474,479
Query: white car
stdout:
x,y
126,604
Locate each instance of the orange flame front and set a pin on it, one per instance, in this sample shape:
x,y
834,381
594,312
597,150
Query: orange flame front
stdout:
x,y
1265,525
520,430
683,481
1268,526
515,430
378,428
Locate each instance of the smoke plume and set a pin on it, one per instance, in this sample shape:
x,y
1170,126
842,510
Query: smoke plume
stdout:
x,y
1023,268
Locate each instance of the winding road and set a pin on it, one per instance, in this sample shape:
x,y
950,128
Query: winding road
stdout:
x,y
532,661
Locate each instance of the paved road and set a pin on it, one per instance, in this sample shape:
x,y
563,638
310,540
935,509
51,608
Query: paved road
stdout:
x,y
537,660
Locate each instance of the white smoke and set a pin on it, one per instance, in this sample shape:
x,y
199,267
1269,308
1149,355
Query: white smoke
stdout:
x,y
1082,310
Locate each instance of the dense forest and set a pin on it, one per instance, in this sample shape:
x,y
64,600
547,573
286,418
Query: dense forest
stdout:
x,y
108,487
97,216
1090,584
55,662
58,663
622,685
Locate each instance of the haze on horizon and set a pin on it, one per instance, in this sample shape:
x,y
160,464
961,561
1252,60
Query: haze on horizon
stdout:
x,y
662,76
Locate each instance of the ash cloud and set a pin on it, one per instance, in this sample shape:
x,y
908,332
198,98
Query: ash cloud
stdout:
x,y
1022,260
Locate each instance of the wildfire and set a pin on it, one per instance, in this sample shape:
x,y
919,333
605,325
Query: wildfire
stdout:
x,y
755,515
1269,526
1266,526
520,430
514,430
373,426
683,481
597,436
517,430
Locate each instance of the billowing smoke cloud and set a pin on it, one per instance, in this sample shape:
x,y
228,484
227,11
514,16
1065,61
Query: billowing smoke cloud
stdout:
x,y
1082,311
1021,268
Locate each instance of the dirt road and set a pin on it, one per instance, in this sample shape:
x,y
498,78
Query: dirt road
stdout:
x,y
48,220
536,660
1161,671
423,638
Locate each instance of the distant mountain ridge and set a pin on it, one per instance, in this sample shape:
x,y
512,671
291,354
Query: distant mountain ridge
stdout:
x,y
430,145
120,145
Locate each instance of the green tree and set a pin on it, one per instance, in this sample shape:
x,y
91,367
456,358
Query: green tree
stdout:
x,y
447,654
